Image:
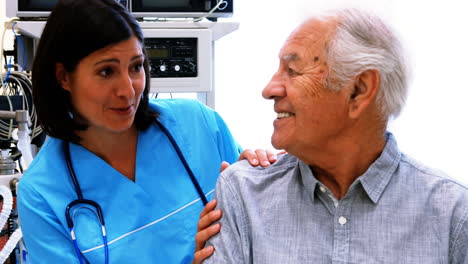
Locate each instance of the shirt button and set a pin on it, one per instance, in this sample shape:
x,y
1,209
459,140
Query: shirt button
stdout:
x,y
342,220
322,189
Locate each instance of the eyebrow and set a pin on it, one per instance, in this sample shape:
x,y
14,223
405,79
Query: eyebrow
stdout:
x,y
290,57
116,60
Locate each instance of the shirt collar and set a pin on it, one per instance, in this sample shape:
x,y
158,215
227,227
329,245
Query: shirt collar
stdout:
x,y
308,179
374,180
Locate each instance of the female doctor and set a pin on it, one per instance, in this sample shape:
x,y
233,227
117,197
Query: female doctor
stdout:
x,y
121,179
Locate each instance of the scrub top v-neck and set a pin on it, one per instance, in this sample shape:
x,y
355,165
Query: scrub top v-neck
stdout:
x,y
151,219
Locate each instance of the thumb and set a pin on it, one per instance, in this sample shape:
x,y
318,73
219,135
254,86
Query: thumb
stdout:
x,y
224,165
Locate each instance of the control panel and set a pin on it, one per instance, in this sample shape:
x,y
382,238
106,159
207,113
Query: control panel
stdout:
x,y
172,57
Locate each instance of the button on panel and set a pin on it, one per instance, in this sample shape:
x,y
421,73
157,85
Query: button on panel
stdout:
x,y
172,57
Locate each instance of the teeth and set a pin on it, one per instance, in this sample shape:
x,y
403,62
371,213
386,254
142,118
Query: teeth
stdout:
x,y
284,115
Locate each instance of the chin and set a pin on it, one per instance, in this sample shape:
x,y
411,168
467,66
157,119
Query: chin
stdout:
x,y
277,142
120,127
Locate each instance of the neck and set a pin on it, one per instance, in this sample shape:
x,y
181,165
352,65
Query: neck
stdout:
x,y
117,149
342,168
346,158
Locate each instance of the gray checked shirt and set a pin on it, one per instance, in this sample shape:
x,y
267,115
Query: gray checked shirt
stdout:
x,y
398,211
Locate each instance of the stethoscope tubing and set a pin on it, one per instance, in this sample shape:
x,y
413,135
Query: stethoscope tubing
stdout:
x,y
97,207
81,200
184,162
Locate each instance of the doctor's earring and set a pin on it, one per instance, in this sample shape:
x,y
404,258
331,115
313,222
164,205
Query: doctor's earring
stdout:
x,y
71,115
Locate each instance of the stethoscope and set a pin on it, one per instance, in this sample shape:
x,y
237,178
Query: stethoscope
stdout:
x,y
97,207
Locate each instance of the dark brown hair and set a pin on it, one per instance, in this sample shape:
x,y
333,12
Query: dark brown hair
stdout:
x,y
75,29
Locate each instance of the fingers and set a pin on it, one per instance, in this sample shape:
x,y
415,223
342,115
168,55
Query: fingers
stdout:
x,y
224,165
205,228
209,219
262,157
251,156
202,236
202,254
208,208
272,157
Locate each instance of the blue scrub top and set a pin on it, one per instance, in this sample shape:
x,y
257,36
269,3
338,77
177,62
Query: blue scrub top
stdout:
x,y
151,220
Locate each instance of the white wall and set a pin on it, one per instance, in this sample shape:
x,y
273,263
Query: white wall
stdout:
x,y
2,11
433,126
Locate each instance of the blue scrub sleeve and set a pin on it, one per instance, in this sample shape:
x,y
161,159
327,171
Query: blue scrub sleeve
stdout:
x,y
45,238
228,147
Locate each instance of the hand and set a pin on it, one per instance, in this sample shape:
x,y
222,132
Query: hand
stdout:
x,y
205,231
260,157
224,165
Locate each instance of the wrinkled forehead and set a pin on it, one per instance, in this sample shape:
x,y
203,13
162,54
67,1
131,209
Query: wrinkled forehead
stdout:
x,y
308,40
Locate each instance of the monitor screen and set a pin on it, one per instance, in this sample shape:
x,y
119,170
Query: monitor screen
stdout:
x,y
139,8
166,3
36,5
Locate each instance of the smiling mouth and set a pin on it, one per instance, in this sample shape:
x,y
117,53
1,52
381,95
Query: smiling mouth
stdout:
x,y
284,115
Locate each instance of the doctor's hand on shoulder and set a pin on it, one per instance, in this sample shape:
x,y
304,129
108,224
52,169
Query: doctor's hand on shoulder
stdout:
x,y
206,226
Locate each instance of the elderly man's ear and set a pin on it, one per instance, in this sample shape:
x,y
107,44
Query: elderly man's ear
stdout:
x,y
363,92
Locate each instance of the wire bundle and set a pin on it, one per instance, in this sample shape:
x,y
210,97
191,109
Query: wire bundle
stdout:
x,y
16,84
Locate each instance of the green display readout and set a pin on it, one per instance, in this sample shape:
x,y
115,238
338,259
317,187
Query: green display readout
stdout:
x,y
158,52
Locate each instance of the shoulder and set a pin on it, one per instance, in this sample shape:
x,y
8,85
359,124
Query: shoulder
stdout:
x,y
177,106
445,196
188,113
184,111
242,175
49,156
425,176
423,181
45,173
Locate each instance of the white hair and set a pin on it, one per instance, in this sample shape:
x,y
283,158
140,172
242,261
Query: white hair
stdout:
x,y
363,42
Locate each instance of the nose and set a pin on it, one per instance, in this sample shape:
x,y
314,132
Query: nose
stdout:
x,y
275,88
125,86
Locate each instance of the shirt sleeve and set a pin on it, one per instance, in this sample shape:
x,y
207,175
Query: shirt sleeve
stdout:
x,y
459,247
45,238
232,243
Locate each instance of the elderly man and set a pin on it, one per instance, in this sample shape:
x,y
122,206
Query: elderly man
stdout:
x,y
344,193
